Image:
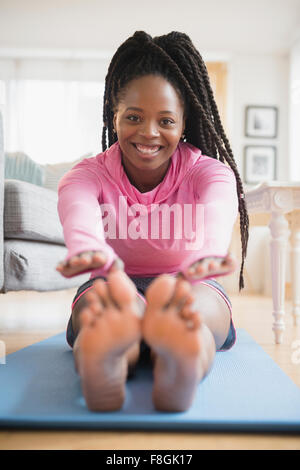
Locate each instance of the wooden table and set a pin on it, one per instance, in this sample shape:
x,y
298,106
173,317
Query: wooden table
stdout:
x,y
282,201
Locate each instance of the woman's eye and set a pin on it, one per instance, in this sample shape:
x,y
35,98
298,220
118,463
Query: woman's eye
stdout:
x,y
167,121
132,118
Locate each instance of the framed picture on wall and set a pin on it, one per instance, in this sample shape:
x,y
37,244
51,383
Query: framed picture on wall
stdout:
x,y
261,121
259,163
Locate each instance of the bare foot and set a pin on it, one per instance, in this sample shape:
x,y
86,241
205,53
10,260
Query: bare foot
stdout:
x,y
87,260
176,335
209,267
110,327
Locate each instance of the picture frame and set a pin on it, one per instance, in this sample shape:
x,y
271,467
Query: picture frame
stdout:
x,y
261,121
260,163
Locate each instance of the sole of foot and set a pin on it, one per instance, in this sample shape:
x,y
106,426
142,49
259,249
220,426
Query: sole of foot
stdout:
x,y
110,326
174,333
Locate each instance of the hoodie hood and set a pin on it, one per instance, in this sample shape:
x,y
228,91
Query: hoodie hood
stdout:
x,y
182,160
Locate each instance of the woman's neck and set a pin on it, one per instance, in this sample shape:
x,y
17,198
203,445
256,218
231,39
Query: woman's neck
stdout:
x,y
146,180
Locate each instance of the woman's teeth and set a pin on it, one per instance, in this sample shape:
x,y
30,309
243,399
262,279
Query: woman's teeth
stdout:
x,y
147,149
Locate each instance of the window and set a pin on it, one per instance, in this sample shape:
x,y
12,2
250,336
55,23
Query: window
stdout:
x,y
53,121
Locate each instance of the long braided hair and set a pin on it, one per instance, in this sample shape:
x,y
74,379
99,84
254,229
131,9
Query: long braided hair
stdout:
x,y
175,58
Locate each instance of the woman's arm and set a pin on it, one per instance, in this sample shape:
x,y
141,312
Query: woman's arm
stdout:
x,y
215,190
79,193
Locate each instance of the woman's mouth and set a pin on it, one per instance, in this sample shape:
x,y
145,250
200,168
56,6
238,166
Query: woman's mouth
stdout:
x,y
148,149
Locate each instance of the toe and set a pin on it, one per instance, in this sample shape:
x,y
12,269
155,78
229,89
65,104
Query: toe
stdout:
x,y
182,294
86,317
185,311
121,288
161,291
193,320
94,302
101,289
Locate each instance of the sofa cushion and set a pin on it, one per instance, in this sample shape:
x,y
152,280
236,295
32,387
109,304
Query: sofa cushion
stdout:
x,y
1,200
30,265
30,212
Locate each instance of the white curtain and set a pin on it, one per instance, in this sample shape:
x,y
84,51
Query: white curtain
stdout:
x,y
52,121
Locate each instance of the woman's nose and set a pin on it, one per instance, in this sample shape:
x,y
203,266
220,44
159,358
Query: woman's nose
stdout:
x,y
149,129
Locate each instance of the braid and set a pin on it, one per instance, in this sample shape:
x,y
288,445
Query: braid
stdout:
x,y
174,57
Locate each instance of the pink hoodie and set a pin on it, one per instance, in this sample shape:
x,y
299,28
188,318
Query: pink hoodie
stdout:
x,y
188,216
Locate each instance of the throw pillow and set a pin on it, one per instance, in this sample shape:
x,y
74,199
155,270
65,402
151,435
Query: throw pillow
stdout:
x,y
19,166
53,173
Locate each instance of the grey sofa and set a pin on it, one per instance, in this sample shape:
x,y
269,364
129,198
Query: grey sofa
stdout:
x,y
32,238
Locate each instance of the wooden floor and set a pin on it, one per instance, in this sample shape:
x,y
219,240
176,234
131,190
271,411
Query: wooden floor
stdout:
x,y
28,317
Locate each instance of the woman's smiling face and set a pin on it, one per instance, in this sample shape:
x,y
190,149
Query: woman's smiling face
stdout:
x,y
149,122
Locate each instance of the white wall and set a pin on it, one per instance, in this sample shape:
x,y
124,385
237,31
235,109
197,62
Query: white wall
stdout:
x,y
259,80
294,101
260,26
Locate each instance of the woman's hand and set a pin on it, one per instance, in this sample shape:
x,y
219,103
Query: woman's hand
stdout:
x,y
87,260
211,266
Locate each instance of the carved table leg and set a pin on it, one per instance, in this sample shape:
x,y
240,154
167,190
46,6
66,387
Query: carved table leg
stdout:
x,y
295,273
279,238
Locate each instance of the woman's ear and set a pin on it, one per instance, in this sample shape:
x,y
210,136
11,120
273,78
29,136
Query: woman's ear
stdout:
x,y
183,124
183,129
114,122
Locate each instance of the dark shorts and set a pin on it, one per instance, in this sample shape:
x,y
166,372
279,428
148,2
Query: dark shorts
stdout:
x,y
142,284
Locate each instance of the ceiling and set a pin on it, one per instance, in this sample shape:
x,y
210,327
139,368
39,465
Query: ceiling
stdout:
x,y
223,26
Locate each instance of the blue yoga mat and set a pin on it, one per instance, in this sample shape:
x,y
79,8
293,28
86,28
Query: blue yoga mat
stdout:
x,y
245,391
